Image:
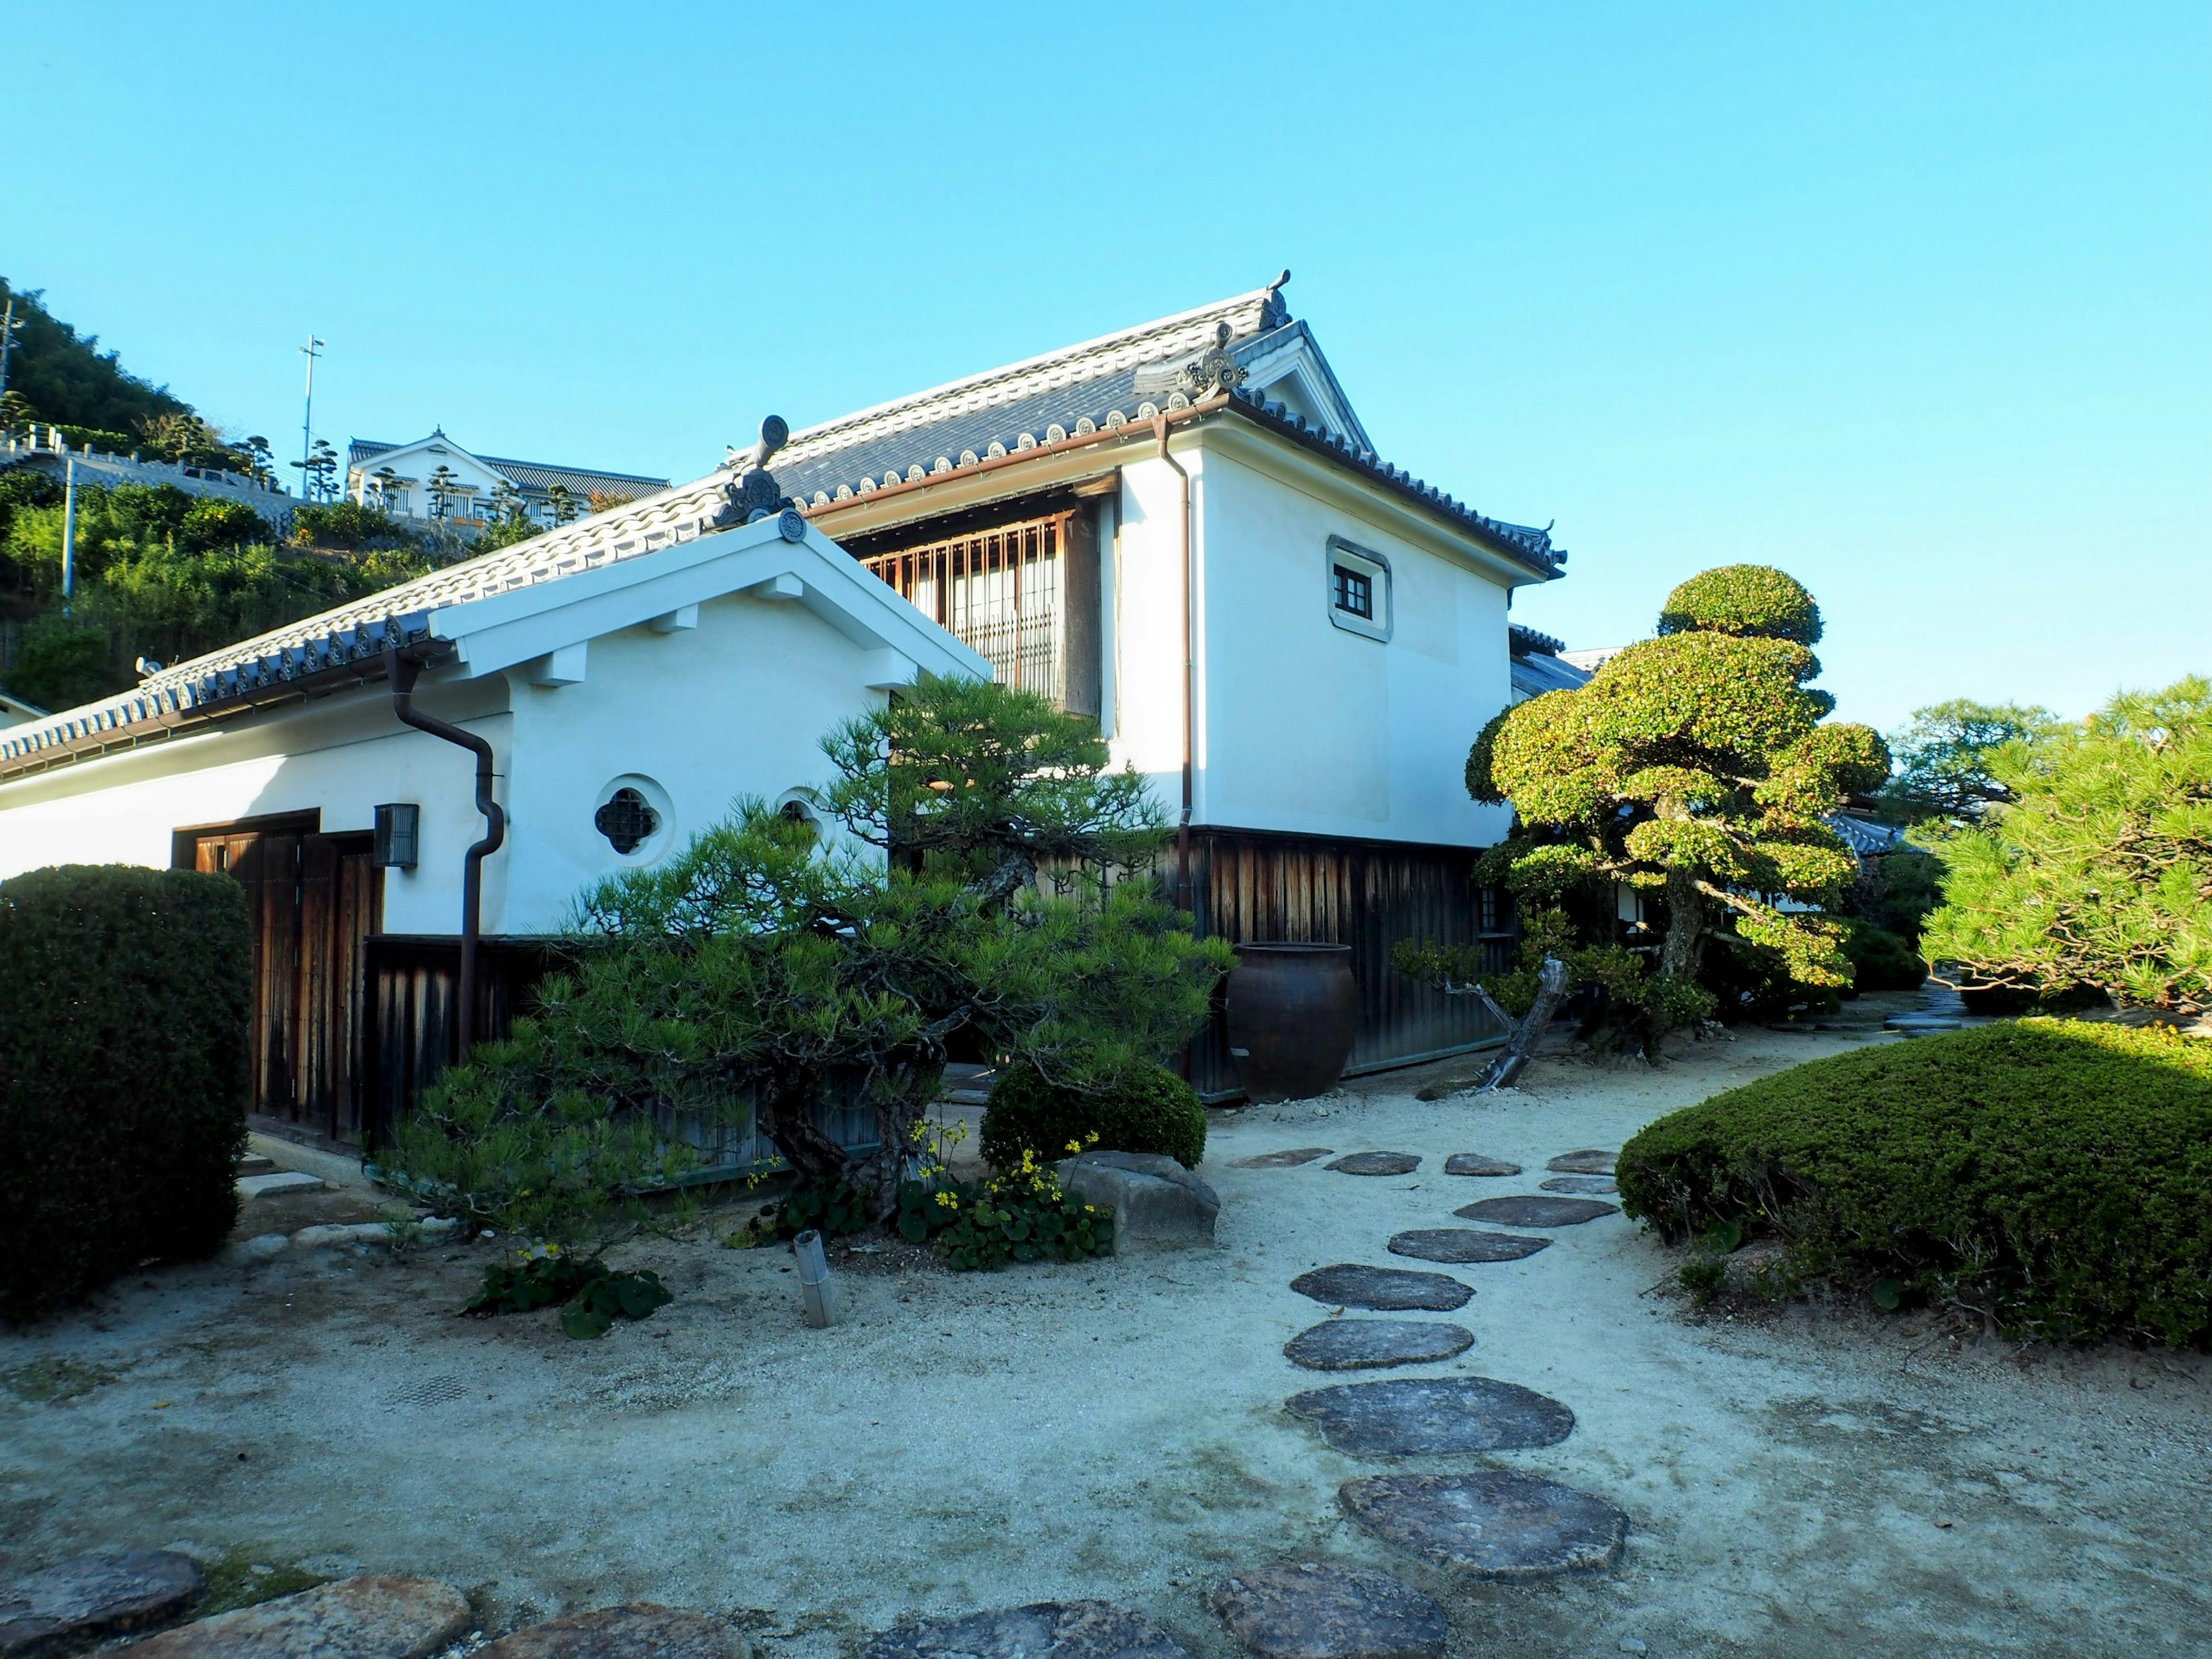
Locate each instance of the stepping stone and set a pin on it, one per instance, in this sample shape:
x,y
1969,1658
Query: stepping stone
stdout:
x,y
1432,1416
1283,1160
1463,1244
74,1604
1579,1184
355,1619
282,1181
1043,1629
1352,1345
1590,1162
1386,1289
637,1630
1474,1163
1314,1612
1494,1523
1376,1164
1531,1210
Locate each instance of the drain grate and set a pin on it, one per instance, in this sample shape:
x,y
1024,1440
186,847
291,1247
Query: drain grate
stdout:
x,y
431,1391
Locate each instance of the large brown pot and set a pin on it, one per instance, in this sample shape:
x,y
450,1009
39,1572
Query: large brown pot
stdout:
x,y
1293,1012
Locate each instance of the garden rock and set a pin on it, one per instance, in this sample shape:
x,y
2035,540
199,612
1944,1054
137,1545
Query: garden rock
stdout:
x,y
1474,1163
1534,1210
1432,1416
1377,1164
1313,1612
282,1181
1043,1629
78,1602
1587,1163
1352,1345
1494,1523
355,1619
1386,1289
1579,1184
637,1630
1157,1204
1288,1159
1464,1245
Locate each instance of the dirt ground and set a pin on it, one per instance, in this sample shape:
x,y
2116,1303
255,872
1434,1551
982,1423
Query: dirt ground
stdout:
x,y
1819,1480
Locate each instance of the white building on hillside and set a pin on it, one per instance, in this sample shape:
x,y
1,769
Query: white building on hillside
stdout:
x,y
434,477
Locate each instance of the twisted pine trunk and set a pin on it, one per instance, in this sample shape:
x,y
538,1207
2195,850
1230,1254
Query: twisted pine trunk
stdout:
x,y
1683,948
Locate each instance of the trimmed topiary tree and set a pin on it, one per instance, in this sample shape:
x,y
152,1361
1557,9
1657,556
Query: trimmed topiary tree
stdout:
x,y
1148,1108
125,995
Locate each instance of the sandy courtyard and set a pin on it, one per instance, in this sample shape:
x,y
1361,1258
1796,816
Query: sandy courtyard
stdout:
x,y
1807,1482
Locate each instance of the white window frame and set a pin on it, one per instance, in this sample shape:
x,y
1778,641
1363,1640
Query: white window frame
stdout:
x,y
1370,564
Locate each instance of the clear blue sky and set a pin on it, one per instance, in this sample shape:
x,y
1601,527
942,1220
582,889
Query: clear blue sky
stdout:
x,y
1913,301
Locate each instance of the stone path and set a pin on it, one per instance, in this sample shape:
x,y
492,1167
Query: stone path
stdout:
x,y
1288,1159
1474,1163
1313,1612
1352,1345
355,1619
637,1629
1042,1630
1464,1245
1385,1289
1376,1164
1432,1416
75,1603
1587,1163
1533,1210
1492,1523
1579,1183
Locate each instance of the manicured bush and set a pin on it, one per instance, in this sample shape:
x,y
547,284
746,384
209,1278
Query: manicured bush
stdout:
x,y
1880,960
1149,1110
124,1002
2055,1175
1750,601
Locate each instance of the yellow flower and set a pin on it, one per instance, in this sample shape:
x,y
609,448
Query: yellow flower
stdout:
x,y
1077,1146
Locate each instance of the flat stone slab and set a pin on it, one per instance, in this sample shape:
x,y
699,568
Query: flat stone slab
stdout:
x,y
1386,1290
1464,1245
1043,1629
75,1603
1589,1163
1314,1612
1494,1523
1534,1210
637,1630
1290,1157
1432,1416
1157,1204
1579,1184
283,1181
1354,1345
1376,1164
1474,1163
354,1618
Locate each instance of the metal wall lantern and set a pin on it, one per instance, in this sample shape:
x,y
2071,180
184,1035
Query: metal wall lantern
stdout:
x,y
398,833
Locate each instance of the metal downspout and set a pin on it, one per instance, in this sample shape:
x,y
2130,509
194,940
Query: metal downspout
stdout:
x,y
402,672
1189,680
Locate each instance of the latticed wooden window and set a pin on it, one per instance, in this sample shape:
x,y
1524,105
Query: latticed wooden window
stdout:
x,y
1000,592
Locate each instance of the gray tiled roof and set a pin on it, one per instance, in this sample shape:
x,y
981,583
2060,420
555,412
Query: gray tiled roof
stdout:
x,y
580,481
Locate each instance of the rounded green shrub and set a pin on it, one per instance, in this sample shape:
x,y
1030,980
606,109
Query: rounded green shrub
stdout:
x,y
123,1065
2054,1175
1880,960
1751,601
1149,1109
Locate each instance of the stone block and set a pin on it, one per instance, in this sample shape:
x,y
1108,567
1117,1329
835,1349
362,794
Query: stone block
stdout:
x,y
1157,1204
76,1603
355,1619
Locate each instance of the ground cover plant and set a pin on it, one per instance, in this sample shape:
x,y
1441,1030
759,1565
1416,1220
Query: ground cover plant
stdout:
x,y
590,1294
2054,1177
124,997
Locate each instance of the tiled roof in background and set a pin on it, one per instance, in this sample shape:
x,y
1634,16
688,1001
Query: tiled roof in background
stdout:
x,y
580,481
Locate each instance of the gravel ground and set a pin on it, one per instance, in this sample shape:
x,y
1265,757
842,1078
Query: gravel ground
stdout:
x,y
1813,1480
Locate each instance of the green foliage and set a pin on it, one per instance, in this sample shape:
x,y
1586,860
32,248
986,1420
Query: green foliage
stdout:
x,y
593,1295
350,527
1146,1110
211,521
830,1207
70,381
1943,757
2055,1175
1705,1277
123,998
505,531
59,662
1880,960
21,487
1898,891
2099,872
1748,601
1023,1215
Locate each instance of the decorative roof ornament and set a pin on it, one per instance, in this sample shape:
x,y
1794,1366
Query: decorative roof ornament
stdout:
x,y
1213,370
756,494
1273,313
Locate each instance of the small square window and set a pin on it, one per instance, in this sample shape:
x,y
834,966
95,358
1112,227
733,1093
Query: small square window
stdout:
x,y
1358,589
1355,592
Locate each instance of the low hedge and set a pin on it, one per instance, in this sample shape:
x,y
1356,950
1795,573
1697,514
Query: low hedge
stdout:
x,y
1150,1110
124,1001
2055,1175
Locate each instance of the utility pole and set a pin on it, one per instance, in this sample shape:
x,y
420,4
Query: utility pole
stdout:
x,y
69,533
9,329
312,350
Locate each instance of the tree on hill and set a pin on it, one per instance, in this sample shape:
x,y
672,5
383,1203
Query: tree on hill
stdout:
x,y
1943,757
2095,868
69,381
1696,767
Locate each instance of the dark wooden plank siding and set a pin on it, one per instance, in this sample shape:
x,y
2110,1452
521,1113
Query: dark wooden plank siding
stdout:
x,y
1368,895
413,994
